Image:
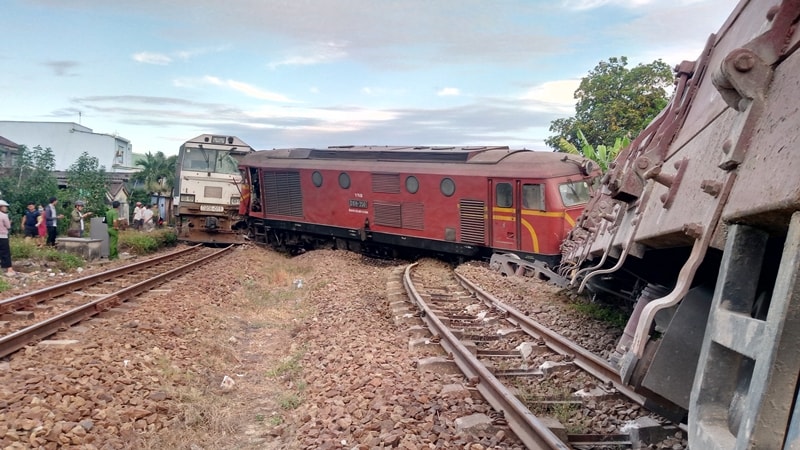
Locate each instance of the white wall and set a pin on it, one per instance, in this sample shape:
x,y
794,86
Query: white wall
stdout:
x,y
69,140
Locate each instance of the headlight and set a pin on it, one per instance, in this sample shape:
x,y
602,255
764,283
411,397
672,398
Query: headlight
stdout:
x,y
187,197
234,200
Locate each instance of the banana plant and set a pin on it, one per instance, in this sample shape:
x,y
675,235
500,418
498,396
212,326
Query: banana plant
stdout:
x,y
602,155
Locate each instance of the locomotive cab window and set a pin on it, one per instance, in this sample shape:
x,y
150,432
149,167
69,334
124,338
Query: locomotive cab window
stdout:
x,y
344,180
448,187
504,195
532,196
574,193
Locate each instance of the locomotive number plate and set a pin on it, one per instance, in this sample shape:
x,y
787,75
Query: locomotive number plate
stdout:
x,y
362,204
212,208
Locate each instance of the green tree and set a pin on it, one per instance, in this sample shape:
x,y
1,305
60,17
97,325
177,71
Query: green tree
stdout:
x,y
157,173
31,180
614,102
602,155
86,180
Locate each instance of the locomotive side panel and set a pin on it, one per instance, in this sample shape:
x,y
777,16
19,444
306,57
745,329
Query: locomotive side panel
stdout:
x,y
408,201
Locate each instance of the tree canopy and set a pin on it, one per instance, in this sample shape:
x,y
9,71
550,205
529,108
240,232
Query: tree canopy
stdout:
x,y
158,172
86,180
31,179
614,102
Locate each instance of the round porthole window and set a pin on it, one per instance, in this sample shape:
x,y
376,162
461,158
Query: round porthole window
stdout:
x,y
316,178
344,180
412,184
448,187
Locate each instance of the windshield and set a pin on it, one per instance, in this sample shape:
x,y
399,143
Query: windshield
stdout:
x,y
203,160
574,193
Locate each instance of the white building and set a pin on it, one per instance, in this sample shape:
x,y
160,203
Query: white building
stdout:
x,y
69,140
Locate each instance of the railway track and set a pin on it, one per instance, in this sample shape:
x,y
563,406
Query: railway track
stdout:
x,y
551,392
38,314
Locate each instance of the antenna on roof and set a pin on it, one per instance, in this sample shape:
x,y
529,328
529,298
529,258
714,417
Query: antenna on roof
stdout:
x,y
79,117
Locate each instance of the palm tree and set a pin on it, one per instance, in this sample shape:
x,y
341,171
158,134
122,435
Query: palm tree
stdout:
x,y
158,172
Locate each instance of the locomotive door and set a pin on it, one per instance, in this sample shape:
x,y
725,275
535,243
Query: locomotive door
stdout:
x,y
505,214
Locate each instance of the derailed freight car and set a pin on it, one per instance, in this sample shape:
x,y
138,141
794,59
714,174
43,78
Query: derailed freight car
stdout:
x,y
698,223
388,201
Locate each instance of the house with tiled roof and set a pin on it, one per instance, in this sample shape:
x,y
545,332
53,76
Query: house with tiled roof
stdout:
x,y
8,152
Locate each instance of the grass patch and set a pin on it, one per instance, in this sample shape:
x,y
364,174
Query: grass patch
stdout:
x,y
27,249
290,401
603,313
289,368
139,243
566,412
4,285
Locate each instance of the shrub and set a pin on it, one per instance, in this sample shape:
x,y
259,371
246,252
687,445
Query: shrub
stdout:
x,y
22,248
64,261
27,249
143,243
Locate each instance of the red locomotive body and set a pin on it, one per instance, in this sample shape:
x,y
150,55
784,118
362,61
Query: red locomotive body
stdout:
x,y
380,200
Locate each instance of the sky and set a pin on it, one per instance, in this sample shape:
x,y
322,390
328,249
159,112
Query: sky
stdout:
x,y
314,73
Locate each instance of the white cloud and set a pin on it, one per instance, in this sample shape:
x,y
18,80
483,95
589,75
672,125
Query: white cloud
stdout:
x,y
448,92
163,59
320,53
581,5
367,90
238,86
556,96
338,119
248,89
152,58
189,54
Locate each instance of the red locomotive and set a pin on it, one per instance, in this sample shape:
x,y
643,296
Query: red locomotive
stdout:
x,y
404,201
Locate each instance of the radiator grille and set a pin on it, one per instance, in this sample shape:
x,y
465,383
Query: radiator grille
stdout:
x,y
387,183
388,214
413,216
472,218
212,192
282,193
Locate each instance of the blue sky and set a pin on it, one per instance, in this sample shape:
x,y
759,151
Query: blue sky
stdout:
x,y
310,73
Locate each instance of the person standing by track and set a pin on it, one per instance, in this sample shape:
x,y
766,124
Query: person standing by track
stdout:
x,y
77,225
31,220
112,220
41,226
138,219
5,247
52,216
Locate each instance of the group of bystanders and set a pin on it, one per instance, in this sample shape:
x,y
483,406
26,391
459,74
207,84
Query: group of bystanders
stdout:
x,y
41,223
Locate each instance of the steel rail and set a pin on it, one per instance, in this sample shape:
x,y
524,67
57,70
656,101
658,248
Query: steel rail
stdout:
x,y
15,341
586,360
525,425
40,295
